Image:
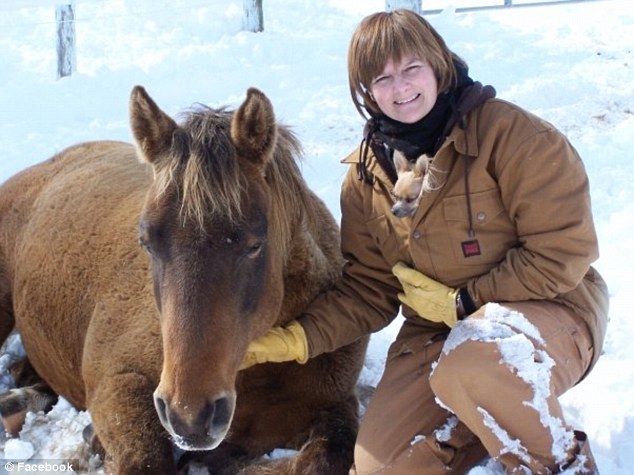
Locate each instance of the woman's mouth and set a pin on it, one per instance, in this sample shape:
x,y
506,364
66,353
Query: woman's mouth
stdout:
x,y
407,100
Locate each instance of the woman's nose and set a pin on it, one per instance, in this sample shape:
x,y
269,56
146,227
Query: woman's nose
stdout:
x,y
399,83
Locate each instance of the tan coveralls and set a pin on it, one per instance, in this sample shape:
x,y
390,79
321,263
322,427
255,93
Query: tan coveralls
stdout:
x,y
530,210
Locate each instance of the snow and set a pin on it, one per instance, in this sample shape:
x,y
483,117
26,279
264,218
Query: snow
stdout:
x,y
509,444
443,434
17,449
571,64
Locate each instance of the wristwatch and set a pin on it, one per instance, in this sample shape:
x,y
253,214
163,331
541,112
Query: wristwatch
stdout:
x,y
460,311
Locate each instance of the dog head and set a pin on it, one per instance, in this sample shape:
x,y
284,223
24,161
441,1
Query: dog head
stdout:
x,y
410,184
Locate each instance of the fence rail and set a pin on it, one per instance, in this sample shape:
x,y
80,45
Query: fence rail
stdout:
x,y
66,27
508,4
16,4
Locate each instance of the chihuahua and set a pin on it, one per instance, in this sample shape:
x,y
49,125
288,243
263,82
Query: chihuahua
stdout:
x,y
413,180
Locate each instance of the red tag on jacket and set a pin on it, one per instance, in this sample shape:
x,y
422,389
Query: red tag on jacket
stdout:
x,y
470,248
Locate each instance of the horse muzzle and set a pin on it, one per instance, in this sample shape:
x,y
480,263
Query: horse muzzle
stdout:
x,y
203,429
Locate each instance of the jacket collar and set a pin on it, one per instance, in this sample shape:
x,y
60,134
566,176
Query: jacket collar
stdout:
x,y
464,141
373,170
463,122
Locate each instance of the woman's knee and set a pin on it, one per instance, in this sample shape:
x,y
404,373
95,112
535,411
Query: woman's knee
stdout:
x,y
464,370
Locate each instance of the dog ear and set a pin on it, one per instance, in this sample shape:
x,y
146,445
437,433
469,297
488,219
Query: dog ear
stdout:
x,y
400,162
422,164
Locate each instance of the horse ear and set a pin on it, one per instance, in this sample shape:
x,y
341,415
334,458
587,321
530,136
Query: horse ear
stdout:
x,y
151,127
253,128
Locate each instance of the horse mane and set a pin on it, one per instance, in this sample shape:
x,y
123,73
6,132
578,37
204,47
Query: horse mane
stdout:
x,y
203,167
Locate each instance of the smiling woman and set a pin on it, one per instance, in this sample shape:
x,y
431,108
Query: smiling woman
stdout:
x,y
508,220
405,91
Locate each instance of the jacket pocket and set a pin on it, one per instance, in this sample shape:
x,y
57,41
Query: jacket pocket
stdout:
x,y
389,238
379,229
494,231
415,344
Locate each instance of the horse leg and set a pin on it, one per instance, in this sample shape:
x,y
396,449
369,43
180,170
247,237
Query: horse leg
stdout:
x,y
32,394
93,442
328,449
126,425
16,403
7,320
330,446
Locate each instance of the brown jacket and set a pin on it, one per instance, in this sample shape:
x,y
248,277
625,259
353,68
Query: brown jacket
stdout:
x,y
531,213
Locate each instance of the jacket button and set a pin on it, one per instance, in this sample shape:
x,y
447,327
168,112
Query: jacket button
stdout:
x,y
481,216
416,234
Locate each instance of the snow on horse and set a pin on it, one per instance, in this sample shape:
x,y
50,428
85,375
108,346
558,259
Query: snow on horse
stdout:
x,y
234,243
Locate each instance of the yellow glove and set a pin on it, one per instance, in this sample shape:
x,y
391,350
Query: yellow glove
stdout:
x,y
431,300
277,345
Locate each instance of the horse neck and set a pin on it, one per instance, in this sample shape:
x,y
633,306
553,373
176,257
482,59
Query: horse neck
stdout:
x,y
311,265
304,231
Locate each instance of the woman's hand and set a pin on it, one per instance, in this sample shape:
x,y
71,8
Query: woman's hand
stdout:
x,y
431,300
277,345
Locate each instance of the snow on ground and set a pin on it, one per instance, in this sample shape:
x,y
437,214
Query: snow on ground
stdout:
x,y
571,64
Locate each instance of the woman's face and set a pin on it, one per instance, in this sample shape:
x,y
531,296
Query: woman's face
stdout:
x,y
405,91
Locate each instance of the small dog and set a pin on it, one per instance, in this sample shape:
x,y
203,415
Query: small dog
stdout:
x,y
413,180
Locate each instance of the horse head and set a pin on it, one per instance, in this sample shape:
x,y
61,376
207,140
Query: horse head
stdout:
x,y
216,260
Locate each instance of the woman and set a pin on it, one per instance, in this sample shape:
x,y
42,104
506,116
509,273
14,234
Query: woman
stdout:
x,y
503,311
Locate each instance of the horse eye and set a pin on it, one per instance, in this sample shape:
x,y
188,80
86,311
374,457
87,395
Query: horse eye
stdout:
x,y
255,250
144,241
145,244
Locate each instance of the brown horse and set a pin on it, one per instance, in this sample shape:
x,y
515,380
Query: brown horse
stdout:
x,y
237,243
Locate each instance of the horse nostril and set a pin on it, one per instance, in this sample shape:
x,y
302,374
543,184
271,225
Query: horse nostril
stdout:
x,y
216,415
220,413
161,409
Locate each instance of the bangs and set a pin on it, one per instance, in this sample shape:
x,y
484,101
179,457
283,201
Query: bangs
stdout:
x,y
392,41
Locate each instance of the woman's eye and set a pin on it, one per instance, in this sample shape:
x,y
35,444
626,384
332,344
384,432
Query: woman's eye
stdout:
x,y
380,80
412,70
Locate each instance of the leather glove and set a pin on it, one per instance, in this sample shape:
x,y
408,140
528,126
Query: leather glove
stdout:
x,y
277,345
431,300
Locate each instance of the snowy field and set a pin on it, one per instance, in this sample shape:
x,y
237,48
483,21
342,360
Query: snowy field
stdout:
x,y
571,64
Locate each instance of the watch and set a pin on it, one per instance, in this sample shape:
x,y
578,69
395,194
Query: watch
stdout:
x,y
460,311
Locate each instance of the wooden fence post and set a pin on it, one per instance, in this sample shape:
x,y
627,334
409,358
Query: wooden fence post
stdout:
x,y
66,55
253,19
416,5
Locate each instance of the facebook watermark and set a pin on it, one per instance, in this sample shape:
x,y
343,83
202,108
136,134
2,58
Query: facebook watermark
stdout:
x,y
38,466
